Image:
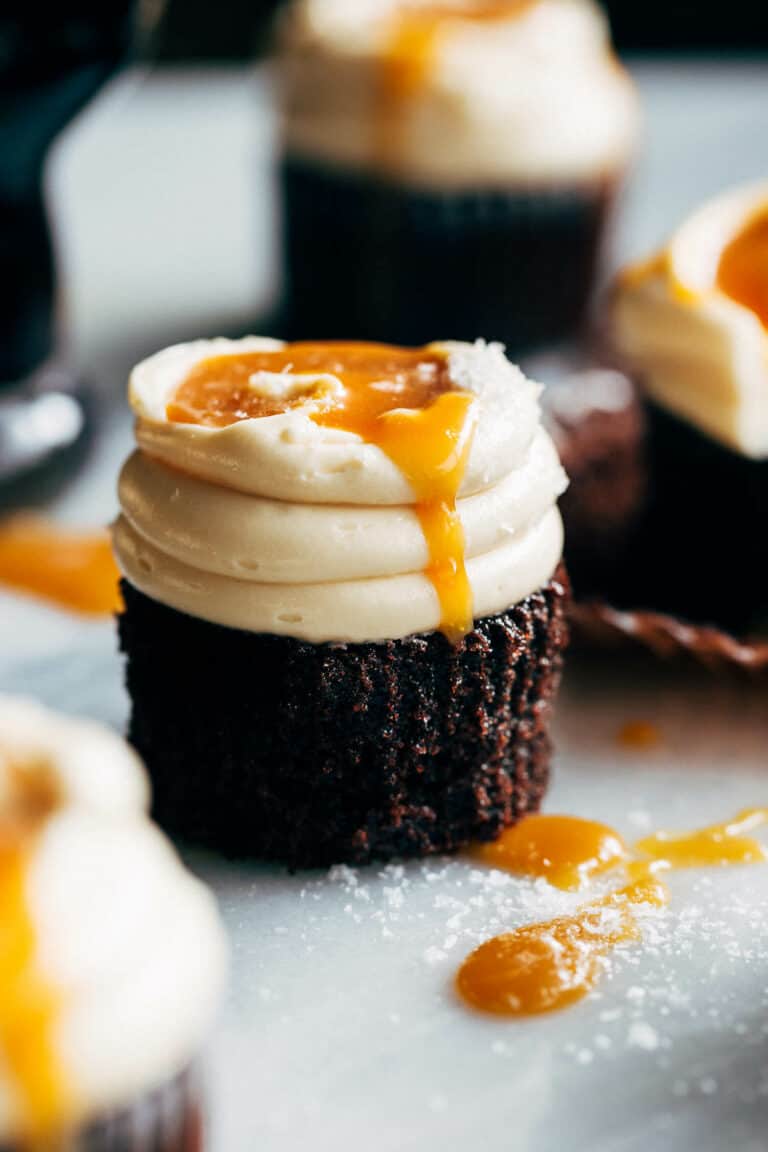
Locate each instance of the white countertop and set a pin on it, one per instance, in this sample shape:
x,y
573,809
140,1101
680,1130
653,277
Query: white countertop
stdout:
x,y
341,1029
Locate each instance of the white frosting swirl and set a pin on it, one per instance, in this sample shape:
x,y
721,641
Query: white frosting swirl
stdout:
x,y
700,354
127,940
535,97
281,525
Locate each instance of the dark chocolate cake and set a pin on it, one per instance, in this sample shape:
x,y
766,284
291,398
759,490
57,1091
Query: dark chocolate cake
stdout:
x,y
397,749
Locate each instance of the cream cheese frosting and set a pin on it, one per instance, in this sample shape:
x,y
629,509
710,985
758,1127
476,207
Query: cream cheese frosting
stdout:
x,y
281,525
701,354
127,942
535,96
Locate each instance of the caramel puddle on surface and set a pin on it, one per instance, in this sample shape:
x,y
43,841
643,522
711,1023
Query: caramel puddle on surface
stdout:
x,y
399,399
74,570
542,967
742,273
29,1007
640,734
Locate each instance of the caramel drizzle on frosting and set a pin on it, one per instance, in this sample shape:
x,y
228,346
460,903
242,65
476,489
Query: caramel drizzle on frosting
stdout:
x,y
413,39
543,967
29,1005
399,399
742,273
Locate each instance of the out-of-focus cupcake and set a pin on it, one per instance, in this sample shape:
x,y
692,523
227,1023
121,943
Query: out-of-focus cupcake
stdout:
x,y
111,955
344,607
597,423
692,323
449,167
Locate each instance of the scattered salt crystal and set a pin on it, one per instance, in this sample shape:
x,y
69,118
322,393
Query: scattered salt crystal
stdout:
x,y
603,1042
499,1048
643,1036
708,1086
636,993
395,897
434,955
343,874
585,1056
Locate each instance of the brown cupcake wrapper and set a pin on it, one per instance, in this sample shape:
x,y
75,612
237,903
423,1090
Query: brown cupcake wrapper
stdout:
x,y
169,1119
599,625
403,264
270,747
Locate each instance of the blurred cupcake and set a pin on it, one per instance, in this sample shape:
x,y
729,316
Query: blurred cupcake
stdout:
x,y
597,423
111,955
449,167
692,323
344,611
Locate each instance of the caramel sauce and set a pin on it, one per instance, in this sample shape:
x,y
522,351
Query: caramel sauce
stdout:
x,y
399,399
75,570
563,850
411,47
639,734
742,272
29,1007
720,844
544,967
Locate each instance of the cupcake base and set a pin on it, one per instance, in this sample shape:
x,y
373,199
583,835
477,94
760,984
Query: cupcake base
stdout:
x,y
368,259
597,423
701,553
166,1120
311,755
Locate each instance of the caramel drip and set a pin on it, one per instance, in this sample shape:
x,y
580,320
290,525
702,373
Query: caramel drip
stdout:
x,y
564,850
720,844
29,1007
399,399
742,272
544,967
411,48
74,570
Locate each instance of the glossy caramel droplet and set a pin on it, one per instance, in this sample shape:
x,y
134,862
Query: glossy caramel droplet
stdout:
x,y
563,850
639,734
545,967
74,570
400,399
29,1007
742,272
719,845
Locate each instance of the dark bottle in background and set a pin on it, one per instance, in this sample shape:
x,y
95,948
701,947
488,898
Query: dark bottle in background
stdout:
x,y
53,59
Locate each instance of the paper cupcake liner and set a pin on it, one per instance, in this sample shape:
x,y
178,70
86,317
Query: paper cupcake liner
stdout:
x,y
308,754
166,1120
367,258
600,625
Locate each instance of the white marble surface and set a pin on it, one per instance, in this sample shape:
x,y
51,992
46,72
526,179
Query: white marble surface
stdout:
x,y
341,1029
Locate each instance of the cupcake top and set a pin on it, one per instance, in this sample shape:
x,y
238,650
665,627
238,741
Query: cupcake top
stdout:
x,y
693,321
338,492
459,92
111,954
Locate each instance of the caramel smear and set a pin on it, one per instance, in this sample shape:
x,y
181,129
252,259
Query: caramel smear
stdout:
x,y
399,399
721,844
742,272
411,48
74,570
564,850
544,967
29,1007
639,734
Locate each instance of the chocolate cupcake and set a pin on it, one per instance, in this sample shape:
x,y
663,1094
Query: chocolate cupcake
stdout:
x,y
342,562
111,955
597,423
691,323
441,160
